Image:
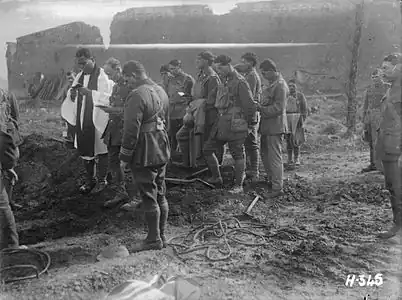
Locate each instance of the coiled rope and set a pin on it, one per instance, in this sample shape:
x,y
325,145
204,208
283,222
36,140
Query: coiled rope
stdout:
x,y
42,257
225,230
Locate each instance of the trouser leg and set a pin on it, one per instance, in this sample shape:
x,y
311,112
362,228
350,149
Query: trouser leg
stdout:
x,y
175,125
146,179
237,151
289,148
163,203
393,178
118,177
274,160
296,152
183,140
213,164
8,229
252,149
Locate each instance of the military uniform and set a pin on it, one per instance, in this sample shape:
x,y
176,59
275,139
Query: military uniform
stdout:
x,y
371,119
146,148
112,137
8,160
202,113
251,143
237,112
388,149
296,114
273,126
178,84
9,124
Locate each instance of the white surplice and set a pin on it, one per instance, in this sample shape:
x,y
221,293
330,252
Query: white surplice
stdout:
x,y
100,118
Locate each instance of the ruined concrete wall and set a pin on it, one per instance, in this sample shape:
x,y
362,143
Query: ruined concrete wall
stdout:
x,y
272,22
45,52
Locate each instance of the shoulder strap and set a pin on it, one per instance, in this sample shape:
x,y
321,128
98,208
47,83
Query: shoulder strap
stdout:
x,y
152,92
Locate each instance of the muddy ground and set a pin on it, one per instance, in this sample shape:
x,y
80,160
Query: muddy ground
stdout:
x,y
321,231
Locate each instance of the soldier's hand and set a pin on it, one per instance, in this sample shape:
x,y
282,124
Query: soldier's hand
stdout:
x,y
73,94
83,90
110,110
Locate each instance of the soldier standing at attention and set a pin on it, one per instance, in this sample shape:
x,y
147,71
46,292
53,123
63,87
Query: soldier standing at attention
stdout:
x,y
179,91
388,145
273,124
296,114
237,114
249,60
372,116
112,136
205,87
146,150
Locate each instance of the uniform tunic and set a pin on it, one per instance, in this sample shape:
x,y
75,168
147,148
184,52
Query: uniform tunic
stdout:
x,y
237,111
254,81
9,116
145,145
8,159
296,114
114,130
273,125
372,109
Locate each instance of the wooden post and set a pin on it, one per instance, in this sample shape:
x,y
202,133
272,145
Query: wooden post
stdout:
x,y
353,71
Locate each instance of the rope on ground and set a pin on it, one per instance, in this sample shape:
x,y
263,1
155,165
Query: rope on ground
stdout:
x,y
28,255
226,231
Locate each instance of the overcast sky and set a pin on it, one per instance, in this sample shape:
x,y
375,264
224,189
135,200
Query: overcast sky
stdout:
x,y
21,17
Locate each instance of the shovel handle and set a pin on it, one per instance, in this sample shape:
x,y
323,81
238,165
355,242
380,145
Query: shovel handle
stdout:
x,y
252,204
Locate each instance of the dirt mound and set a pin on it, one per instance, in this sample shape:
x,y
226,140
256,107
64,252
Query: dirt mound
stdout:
x,y
50,175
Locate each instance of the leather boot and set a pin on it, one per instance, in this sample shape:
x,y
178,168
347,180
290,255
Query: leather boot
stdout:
x,y
90,181
290,156
164,208
240,166
254,165
101,173
372,167
296,152
397,218
213,166
153,240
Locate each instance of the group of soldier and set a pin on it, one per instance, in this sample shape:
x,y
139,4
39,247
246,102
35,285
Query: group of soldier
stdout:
x,y
120,119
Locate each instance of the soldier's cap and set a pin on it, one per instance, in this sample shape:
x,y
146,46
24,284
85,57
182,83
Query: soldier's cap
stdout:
x,y
250,56
133,67
175,62
268,65
223,59
207,55
114,63
292,81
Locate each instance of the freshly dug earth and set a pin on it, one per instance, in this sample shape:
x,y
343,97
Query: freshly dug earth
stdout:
x,y
321,231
